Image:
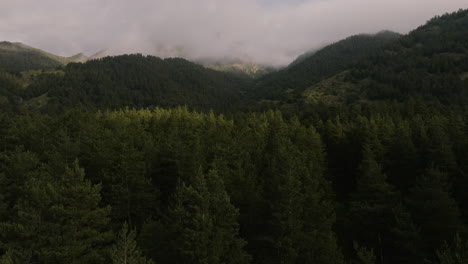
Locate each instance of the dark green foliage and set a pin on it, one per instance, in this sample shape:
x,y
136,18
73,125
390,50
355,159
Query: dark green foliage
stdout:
x,y
9,90
9,84
166,171
140,81
434,210
428,62
372,206
324,63
205,223
58,218
16,257
456,253
364,255
125,251
17,167
136,153
380,179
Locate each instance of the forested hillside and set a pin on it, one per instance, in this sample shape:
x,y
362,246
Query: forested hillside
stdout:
x,y
430,62
326,62
356,154
20,57
139,81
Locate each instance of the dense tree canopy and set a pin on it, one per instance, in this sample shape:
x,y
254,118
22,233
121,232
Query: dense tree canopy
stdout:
x,y
101,162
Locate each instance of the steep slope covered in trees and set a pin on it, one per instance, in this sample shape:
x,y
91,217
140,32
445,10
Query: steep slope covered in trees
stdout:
x,y
430,62
323,63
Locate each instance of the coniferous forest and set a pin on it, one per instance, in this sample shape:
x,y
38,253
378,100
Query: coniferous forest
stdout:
x,y
354,154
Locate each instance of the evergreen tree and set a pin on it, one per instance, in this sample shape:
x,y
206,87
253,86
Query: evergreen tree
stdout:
x,y
375,213
7,258
16,168
130,192
59,218
16,257
297,206
205,223
288,219
126,251
401,160
114,155
440,151
457,253
434,210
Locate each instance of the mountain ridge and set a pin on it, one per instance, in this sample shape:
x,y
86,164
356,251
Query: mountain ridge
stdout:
x,y
18,56
332,59
373,67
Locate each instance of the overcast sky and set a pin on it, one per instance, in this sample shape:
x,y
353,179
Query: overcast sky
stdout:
x,y
263,31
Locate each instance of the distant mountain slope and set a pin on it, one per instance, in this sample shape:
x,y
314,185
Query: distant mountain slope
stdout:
x,y
303,57
140,81
238,67
313,67
20,57
80,57
430,62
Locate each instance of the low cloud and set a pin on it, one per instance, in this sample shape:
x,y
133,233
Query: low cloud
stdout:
x,y
264,31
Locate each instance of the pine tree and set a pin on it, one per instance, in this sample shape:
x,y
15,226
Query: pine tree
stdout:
x,y
457,253
115,158
7,258
126,251
288,219
439,147
59,219
205,223
302,222
401,159
434,210
16,167
372,202
130,193
376,217
16,257
300,209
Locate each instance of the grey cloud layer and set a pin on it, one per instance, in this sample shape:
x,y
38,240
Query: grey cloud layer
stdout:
x,y
272,33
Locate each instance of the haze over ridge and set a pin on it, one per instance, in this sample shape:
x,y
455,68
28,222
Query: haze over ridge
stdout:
x,y
263,31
